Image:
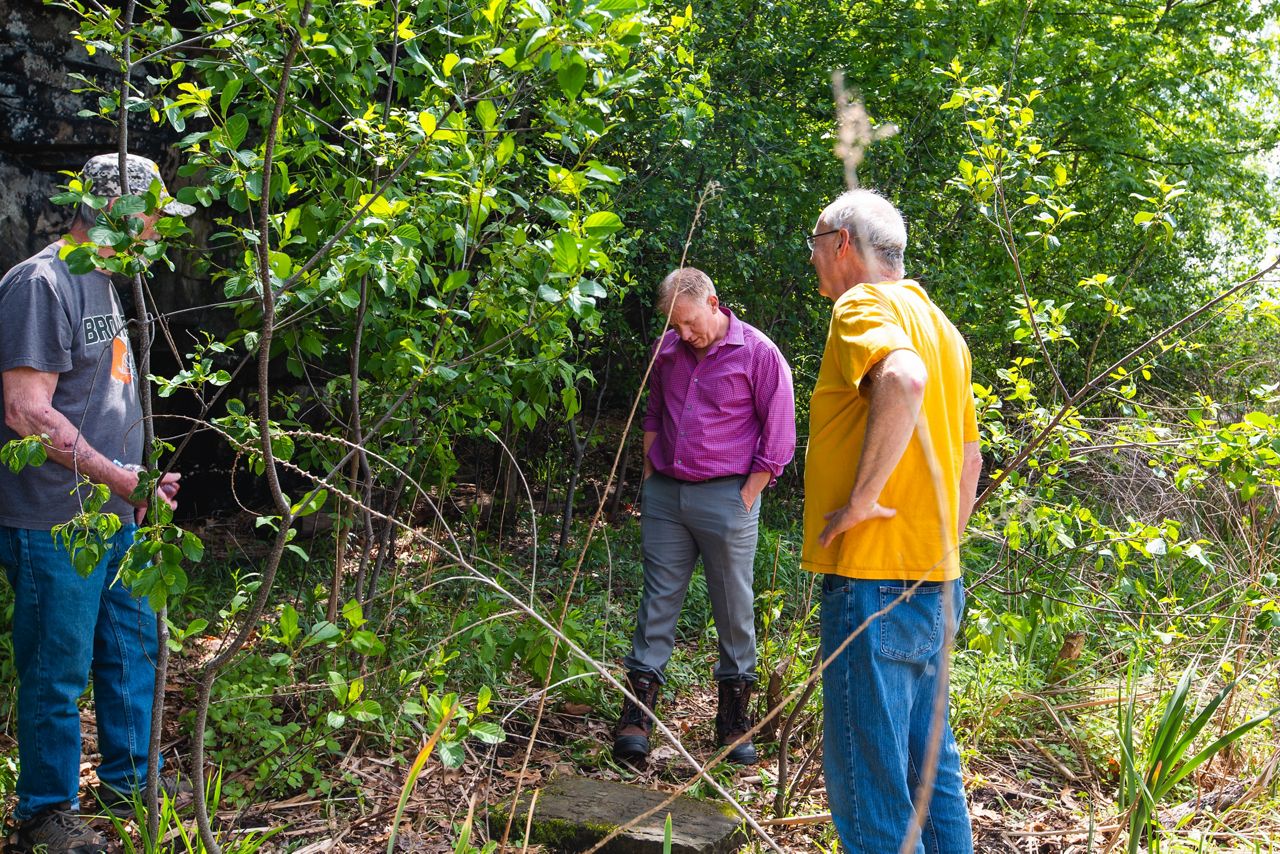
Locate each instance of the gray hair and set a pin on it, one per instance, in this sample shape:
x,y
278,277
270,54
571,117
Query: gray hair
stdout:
x,y
85,216
688,282
875,226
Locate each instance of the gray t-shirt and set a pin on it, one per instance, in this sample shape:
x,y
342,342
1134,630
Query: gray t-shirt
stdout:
x,y
53,321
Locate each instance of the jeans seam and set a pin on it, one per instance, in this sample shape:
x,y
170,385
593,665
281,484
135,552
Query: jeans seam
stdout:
x,y
846,700
927,826
29,572
126,696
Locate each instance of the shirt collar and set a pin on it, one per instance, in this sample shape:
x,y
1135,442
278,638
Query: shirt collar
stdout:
x,y
733,335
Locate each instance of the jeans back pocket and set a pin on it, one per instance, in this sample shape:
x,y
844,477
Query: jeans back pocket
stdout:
x,y
912,628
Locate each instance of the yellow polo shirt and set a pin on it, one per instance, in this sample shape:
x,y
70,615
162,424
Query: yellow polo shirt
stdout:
x,y
867,323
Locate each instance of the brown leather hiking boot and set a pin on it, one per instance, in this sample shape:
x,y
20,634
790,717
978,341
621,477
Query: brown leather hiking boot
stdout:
x,y
631,735
733,719
56,831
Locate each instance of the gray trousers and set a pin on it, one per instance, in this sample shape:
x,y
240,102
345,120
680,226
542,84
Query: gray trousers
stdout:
x,y
678,522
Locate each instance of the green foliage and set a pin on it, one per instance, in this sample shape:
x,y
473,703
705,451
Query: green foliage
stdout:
x,y
87,536
456,723
175,835
1147,777
451,202
20,453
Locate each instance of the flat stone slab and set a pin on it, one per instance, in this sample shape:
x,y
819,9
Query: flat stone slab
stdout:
x,y
574,813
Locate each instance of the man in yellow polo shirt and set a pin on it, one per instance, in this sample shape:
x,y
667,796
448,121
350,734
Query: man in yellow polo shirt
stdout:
x,y
890,477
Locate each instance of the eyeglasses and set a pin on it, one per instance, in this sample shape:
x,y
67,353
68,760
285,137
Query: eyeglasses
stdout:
x,y
809,238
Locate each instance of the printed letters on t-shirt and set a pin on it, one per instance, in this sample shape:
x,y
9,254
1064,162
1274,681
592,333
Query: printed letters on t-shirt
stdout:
x,y
101,328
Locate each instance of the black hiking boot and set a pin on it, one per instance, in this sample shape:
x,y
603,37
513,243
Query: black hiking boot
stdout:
x,y
631,735
733,719
56,831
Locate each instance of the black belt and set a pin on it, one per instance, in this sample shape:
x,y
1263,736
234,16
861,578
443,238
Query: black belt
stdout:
x,y
708,480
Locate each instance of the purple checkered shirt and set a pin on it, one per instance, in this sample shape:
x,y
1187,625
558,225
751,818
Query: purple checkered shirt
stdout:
x,y
733,413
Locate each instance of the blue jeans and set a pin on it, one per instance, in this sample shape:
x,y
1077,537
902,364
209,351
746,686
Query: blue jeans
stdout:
x,y
64,628
877,710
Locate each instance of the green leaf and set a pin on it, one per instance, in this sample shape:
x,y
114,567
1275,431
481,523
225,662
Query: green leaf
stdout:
x,y
564,252
452,753
311,502
602,223
366,710
488,732
572,76
192,547
321,632
229,92
237,128
486,114
106,236
366,643
126,205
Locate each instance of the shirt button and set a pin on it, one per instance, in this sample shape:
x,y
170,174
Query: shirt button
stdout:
x,y
688,406
679,462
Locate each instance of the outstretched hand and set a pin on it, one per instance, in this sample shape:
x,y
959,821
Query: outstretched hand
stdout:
x,y
850,516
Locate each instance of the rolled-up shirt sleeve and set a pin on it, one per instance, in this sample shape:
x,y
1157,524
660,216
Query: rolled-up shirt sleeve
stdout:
x,y
869,330
775,404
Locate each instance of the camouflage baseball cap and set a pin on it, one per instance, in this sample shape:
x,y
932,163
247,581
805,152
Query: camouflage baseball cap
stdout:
x,y
104,172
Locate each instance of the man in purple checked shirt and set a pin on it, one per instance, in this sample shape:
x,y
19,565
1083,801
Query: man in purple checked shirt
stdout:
x,y
719,428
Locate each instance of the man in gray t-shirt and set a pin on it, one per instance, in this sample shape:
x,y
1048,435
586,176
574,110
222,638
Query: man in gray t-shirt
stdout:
x,y
67,374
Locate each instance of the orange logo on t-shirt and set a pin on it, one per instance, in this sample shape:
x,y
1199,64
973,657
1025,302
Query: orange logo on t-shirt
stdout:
x,y
121,367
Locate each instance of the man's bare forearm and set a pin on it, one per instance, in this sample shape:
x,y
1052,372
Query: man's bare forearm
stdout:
x,y
897,392
970,471
650,436
67,447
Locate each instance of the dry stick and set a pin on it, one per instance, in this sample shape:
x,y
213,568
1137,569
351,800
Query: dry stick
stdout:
x,y
268,456
528,824
1071,403
360,462
794,820
360,465
708,192
152,787
533,515
924,789
784,739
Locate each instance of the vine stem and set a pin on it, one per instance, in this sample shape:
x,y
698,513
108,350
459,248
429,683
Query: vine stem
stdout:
x,y
151,787
211,669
